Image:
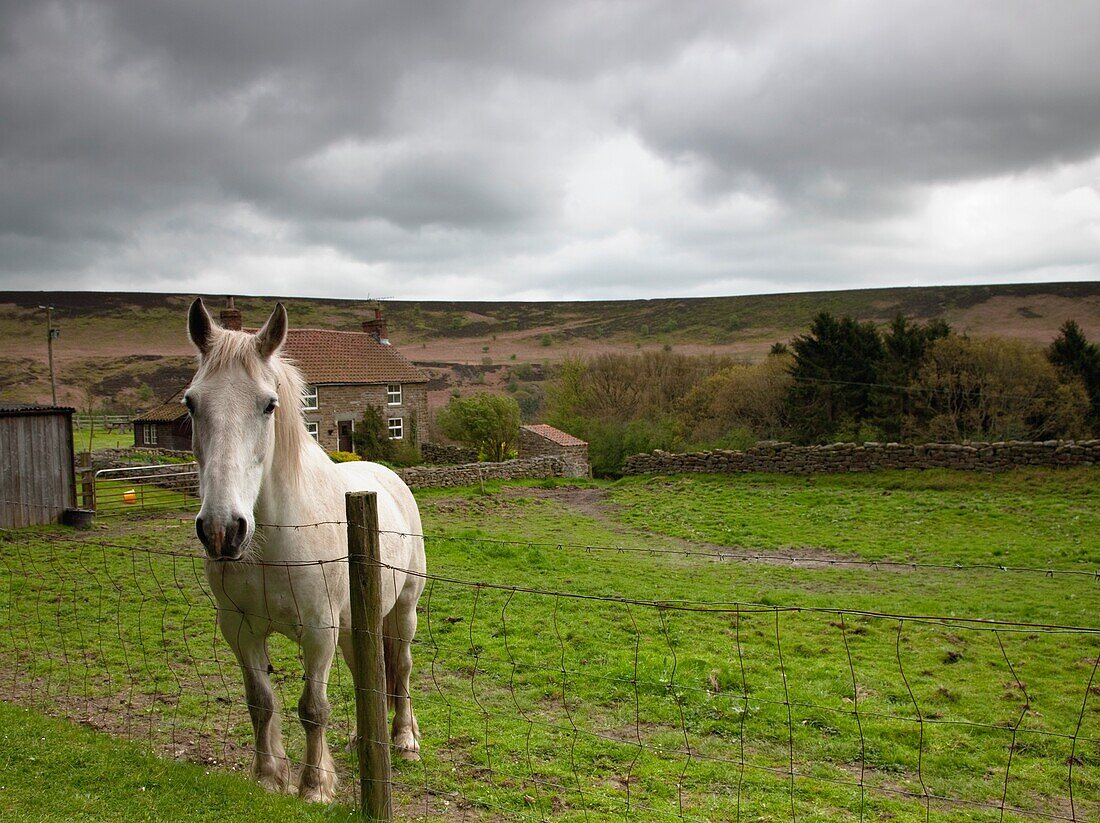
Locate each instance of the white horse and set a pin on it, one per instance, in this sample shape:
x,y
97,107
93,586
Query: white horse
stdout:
x,y
271,522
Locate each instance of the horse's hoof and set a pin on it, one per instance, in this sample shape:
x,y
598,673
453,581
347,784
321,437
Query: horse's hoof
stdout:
x,y
405,743
317,794
317,786
275,782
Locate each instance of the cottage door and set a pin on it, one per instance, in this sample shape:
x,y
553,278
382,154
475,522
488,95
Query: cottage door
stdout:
x,y
344,428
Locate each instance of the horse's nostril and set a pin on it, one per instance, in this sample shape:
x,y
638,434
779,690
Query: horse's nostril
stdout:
x,y
199,530
242,530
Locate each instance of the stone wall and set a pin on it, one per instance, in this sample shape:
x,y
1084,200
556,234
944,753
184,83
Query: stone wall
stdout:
x,y
443,454
122,458
787,458
432,477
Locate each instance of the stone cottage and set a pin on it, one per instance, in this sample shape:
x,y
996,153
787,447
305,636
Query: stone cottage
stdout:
x,y
346,372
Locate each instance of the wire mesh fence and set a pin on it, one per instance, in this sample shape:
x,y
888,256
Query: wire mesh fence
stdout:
x,y
539,701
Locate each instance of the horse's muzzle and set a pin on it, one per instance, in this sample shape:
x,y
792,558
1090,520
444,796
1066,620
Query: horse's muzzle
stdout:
x,y
222,541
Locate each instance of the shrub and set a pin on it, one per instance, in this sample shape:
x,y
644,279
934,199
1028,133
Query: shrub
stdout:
x,y
486,422
371,437
344,457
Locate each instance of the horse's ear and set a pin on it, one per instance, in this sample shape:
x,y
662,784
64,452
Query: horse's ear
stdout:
x,y
272,335
200,326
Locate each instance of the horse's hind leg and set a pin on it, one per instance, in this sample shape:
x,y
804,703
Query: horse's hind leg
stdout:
x,y
270,766
317,781
400,628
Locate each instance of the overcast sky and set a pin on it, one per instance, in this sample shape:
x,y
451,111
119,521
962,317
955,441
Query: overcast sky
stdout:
x,y
546,150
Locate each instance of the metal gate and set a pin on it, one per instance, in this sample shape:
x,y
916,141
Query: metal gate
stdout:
x,y
171,487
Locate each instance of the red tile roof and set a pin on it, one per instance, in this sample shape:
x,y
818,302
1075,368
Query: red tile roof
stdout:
x,y
326,356
555,435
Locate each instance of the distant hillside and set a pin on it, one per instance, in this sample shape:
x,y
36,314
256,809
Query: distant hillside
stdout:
x,y
129,349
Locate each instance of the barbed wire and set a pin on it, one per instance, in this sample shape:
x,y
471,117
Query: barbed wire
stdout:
x,y
718,553
686,605
148,662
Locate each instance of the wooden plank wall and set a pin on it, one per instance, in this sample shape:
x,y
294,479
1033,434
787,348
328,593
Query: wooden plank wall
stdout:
x,y
36,469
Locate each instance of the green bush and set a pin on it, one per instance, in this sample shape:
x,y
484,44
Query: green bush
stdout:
x,y
344,457
486,422
371,437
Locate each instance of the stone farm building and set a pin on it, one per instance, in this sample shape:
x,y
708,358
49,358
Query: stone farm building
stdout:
x,y
166,426
541,440
345,372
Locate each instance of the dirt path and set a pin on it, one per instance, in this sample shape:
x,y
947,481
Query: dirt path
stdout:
x,y
596,503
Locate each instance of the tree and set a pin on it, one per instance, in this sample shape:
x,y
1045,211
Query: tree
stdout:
x,y
744,401
835,370
1076,358
996,389
904,347
487,422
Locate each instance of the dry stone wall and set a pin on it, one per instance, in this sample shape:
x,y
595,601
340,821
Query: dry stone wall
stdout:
x,y
443,454
787,458
432,477
122,458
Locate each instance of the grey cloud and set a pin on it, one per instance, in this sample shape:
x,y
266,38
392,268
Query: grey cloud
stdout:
x,y
924,94
435,137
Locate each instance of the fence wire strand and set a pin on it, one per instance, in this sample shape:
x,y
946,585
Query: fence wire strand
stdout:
x,y
511,731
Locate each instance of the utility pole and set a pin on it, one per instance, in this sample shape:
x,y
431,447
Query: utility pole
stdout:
x,y
51,333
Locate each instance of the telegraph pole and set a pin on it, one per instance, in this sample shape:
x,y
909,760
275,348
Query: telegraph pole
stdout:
x,y
51,333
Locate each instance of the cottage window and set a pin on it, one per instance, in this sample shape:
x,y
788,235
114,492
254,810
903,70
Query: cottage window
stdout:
x,y
396,428
149,434
393,394
309,398
312,429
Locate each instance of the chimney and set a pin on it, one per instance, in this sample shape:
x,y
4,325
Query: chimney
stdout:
x,y
230,316
376,327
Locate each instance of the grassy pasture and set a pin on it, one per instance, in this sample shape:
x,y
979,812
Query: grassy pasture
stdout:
x,y
757,689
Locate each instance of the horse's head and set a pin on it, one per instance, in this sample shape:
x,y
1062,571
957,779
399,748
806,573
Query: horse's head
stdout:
x,y
232,401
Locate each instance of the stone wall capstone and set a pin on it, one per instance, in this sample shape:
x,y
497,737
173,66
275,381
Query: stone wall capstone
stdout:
x,y
787,458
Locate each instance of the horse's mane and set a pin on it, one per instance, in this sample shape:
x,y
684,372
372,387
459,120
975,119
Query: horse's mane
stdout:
x,y
229,348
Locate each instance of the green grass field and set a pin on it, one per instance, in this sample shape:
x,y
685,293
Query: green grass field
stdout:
x,y
52,770
736,647
100,438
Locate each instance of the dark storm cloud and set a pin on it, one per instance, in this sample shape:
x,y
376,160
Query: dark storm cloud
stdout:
x,y
862,104
541,148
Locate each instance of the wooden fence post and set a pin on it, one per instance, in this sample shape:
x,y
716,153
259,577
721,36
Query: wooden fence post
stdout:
x,y
365,578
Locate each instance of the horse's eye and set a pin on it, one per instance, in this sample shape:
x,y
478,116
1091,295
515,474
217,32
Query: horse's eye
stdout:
x,y
271,407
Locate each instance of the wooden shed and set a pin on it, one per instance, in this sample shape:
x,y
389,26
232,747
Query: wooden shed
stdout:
x,y
37,482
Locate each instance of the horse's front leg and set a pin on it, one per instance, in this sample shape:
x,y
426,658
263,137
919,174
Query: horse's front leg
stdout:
x,y
270,766
317,781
